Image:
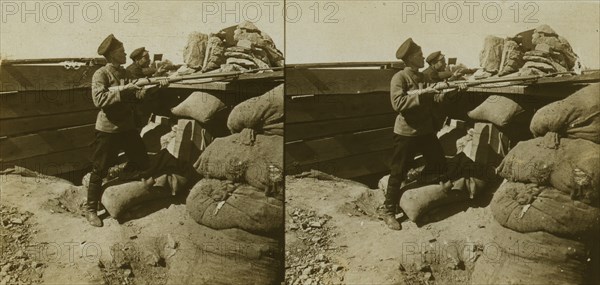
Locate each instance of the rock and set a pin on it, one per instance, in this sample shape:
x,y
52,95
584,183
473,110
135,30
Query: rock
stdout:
x,y
6,267
16,221
307,271
293,227
423,267
321,257
315,225
5,280
336,267
428,276
127,273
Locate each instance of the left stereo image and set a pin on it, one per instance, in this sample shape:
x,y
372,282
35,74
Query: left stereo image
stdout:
x,y
143,144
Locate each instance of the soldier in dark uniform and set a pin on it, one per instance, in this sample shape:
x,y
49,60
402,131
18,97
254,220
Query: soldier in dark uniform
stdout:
x,y
436,72
414,129
115,126
140,67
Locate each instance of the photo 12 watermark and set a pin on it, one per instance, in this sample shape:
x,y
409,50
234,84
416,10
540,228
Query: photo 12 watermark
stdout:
x,y
50,12
471,11
271,11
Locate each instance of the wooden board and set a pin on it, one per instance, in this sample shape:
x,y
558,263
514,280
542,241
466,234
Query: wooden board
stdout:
x,y
34,103
45,77
337,81
55,163
314,151
349,167
11,127
378,64
319,129
326,107
45,142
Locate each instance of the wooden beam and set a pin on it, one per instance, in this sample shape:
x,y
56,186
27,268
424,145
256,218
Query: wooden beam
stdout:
x,y
325,128
337,81
345,145
311,108
35,103
46,142
27,125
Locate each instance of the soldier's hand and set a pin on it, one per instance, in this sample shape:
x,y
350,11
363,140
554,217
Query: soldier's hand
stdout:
x,y
163,83
131,87
462,87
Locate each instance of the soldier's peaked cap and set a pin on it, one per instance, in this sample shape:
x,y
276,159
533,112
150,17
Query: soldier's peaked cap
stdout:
x,y
434,56
406,48
108,44
137,53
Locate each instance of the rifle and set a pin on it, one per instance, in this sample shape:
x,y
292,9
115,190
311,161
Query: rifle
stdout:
x,y
221,75
531,79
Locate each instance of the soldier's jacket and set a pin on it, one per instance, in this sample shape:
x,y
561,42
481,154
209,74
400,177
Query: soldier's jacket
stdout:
x,y
430,75
138,71
415,113
116,108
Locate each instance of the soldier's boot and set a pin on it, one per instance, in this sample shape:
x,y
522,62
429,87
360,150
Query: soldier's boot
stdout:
x,y
90,214
389,210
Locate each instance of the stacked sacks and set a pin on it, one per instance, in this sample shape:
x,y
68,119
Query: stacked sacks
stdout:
x,y
237,48
243,180
533,52
550,198
552,53
263,114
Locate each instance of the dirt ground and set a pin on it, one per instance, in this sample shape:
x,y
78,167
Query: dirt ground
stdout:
x,y
360,249
164,246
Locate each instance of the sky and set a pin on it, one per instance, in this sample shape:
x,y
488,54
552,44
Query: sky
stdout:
x,y
315,31
77,29
373,30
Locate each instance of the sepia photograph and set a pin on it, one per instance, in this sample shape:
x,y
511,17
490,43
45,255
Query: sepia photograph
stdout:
x,y
141,142
442,142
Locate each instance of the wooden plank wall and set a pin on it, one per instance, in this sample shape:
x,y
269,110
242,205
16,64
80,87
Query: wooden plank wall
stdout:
x,y
47,131
339,121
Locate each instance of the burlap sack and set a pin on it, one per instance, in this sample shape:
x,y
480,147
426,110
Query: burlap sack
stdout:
x,y
120,198
221,204
577,116
498,110
491,55
530,208
193,53
242,158
200,106
532,258
264,113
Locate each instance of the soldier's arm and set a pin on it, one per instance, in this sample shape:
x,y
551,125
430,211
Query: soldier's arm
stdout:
x,y
101,94
402,100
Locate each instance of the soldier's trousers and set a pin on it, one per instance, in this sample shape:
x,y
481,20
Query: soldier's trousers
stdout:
x,y
106,148
405,150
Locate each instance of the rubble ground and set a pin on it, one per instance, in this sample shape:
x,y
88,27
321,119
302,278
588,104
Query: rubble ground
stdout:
x,y
334,236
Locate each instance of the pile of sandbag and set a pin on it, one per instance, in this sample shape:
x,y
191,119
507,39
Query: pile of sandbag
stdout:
x,y
534,52
243,178
237,48
550,199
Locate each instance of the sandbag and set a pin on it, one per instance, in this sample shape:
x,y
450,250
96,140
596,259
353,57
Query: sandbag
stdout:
x,y
577,173
499,110
530,208
221,204
242,157
512,58
200,106
214,56
491,55
556,65
418,201
531,161
556,43
531,258
193,53
263,114
120,198
577,116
